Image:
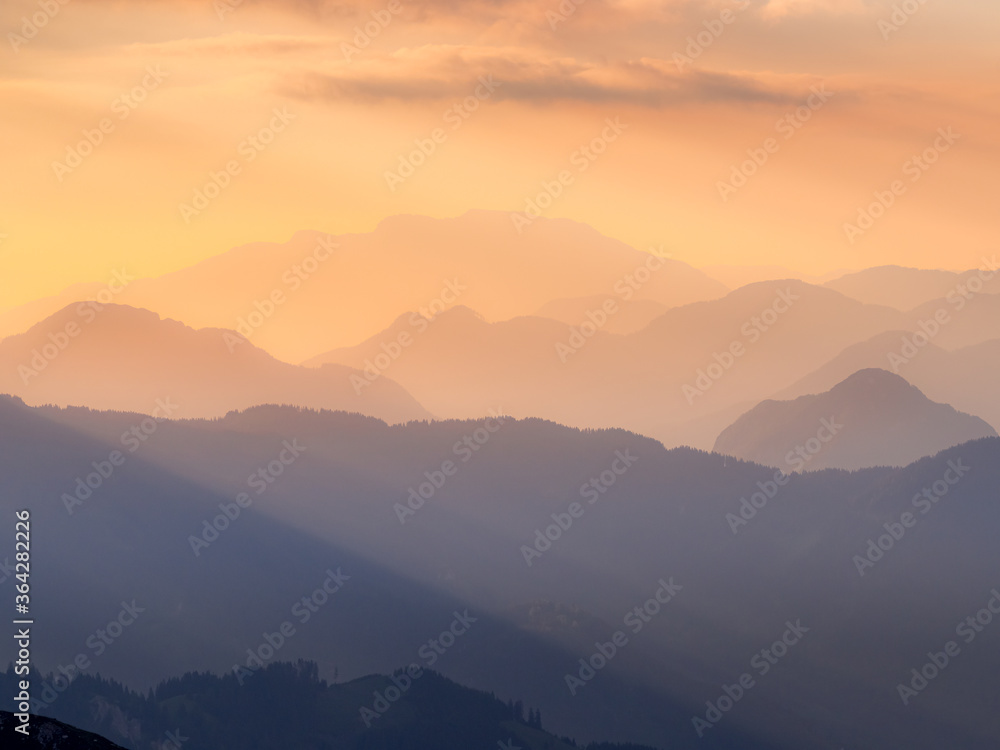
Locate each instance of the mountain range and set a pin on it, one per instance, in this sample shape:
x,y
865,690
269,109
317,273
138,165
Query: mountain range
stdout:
x,y
873,418
123,358
494,535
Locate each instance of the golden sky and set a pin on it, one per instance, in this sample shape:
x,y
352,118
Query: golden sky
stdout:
x,y
504,94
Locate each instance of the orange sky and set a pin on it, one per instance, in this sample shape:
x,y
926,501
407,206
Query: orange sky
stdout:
x,y
685,125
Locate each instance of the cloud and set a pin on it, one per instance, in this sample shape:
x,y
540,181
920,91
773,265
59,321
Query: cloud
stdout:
x,y
439,72
782,8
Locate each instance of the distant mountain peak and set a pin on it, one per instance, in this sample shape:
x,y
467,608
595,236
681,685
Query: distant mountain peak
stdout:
x,y
882,420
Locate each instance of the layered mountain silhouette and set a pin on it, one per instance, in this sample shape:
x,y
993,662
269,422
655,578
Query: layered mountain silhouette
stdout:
x,y
873,418
340,290
209,712
658,381
749,573
908,288
628,316
966,378
119,357
48,734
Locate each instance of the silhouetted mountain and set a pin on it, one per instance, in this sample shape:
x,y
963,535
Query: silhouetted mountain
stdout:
x,y
736,276
737,561
288,705
629,316
659,381
874,418
47,734
119,357
908,288
967,321
339,290
965,378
